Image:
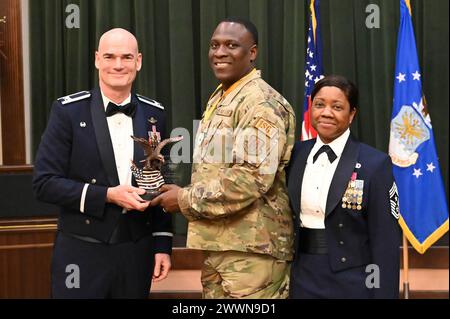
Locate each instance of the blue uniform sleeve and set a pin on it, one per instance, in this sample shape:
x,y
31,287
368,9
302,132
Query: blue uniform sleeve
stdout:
x,y
161,221
51,169
384,232
162,231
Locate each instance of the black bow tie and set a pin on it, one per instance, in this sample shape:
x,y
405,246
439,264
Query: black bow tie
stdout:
x,y
127,109
327,149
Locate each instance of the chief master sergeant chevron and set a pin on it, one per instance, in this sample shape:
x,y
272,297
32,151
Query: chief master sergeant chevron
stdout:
x,y
113,239
237,203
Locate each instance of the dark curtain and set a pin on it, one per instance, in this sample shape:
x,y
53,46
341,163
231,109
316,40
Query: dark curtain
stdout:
x,y
173,36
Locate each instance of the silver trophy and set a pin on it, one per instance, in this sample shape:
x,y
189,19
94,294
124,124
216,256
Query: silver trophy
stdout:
x,y
149,177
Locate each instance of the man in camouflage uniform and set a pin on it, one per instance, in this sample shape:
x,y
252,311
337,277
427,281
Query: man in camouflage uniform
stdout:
x,y
236,204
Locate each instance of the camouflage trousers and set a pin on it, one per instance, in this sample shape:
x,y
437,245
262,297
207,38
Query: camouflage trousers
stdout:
x,y
235,274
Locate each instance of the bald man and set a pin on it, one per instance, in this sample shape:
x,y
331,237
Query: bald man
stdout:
x,y
110,243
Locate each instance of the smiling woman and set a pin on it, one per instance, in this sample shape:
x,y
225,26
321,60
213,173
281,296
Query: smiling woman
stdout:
x,y
346,205
334,104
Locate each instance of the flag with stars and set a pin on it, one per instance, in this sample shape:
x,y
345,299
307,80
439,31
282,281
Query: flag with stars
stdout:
x,y
313,68
423,205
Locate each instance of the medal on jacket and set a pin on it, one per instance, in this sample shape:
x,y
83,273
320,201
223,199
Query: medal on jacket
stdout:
x,y
154,134
353,196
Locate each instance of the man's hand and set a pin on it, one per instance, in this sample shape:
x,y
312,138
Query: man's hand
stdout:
x,y
168,199
127,197
162,267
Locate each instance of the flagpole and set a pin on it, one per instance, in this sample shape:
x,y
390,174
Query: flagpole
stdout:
x,y
405,268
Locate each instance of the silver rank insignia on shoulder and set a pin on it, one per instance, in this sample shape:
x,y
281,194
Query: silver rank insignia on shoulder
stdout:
x,y
151,102
353,196
82,124
74,97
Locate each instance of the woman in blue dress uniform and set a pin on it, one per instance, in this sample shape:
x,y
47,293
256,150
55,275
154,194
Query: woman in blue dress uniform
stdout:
x,y
345,206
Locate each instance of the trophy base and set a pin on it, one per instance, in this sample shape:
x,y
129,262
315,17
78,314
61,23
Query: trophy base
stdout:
x,y
150,195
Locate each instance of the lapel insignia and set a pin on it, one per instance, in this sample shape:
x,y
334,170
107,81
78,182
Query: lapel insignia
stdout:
x,y
358,165
83,124
152,120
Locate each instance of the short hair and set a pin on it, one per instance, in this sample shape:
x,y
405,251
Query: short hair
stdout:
x,y
246,23
348,87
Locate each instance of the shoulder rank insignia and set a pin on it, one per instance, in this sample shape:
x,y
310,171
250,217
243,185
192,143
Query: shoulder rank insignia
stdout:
x,y
74,97
150,101
393,199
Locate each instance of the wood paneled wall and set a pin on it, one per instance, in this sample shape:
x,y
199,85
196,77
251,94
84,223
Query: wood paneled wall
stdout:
x,y
26,247
11,94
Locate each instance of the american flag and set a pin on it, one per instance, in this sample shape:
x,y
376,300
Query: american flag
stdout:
x,y
313,68
147,179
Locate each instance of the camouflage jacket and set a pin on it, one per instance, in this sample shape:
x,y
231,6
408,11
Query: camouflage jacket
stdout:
x,y
237,199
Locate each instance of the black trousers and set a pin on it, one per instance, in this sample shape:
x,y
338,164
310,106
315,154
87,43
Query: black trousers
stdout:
x,y
82,269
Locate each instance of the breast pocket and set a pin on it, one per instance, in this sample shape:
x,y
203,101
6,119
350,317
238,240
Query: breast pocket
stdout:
x,y
258,146
217,144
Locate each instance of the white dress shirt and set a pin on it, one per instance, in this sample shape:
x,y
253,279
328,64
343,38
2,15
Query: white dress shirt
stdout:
x,y
316,182
120,129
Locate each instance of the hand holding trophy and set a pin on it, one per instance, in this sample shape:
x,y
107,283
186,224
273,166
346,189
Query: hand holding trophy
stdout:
x,y
149,177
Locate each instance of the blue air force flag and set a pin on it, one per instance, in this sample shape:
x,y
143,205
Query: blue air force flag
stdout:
x,y
423,206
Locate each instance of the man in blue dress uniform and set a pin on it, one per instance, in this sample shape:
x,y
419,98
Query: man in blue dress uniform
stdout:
x,y
110,243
